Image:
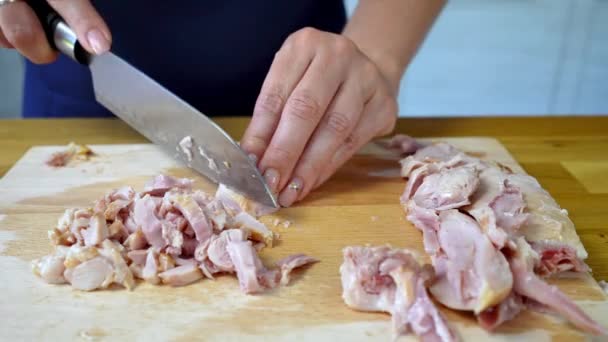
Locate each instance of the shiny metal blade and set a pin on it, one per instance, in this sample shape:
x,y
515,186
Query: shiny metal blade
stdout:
x,y
168,121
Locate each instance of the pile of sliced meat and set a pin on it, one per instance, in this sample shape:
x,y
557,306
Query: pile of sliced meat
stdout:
x,y
492,236
169,234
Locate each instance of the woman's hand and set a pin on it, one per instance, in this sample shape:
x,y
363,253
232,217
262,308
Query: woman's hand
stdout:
x,y
322,100
20,29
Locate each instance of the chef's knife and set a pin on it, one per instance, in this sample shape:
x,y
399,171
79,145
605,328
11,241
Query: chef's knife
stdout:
x,y
159,115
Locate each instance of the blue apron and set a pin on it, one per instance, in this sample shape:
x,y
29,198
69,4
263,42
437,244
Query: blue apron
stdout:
x,y
213,53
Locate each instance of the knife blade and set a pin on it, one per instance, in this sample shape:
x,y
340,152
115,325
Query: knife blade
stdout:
x,y
161,116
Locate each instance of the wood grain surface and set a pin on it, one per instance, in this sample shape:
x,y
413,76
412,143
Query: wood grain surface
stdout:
x,y
568,155
358,206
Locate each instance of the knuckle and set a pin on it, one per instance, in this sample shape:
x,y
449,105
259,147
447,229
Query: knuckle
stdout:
x,y
306,35
304,106
20,35
279,157
270,102
370,70
339,122
309,171
343,46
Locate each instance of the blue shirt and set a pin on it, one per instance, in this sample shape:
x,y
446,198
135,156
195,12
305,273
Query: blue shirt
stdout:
x,y
212,53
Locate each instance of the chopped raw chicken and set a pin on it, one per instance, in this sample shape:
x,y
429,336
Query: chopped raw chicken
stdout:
x,y
255,228
50,268
181,275
235,203
393,281
168,234
97,231
217,251
472,273
163,183
528,284
247,264
287,265
73,151
122,273
92,274
491,234
557,258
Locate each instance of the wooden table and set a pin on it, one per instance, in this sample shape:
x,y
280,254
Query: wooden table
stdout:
x,y
569,156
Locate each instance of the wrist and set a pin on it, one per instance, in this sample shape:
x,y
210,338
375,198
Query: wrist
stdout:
x,y
390,66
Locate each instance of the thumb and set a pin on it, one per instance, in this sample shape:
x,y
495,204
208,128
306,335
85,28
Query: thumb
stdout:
x,y
92,32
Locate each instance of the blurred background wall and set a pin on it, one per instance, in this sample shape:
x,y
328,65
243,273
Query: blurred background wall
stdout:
x,y
483,57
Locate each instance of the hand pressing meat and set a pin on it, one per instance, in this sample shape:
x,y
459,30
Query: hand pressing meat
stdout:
x,y
326,95
169,234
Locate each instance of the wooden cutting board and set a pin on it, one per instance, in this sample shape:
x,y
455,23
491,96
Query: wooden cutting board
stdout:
x,y
360,205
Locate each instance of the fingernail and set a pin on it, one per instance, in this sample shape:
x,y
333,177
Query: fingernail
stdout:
x,y
272,178
98,41
291,192
253,157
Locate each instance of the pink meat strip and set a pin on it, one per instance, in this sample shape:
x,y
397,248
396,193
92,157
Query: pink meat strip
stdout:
x,y
555,258
528,284
163,183
392,280
144,215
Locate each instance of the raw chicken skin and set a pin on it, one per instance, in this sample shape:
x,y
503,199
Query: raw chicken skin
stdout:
x,y
392,280
484,262
169,234
476,275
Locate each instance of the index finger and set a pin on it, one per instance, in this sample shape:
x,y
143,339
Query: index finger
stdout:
x,y
81,16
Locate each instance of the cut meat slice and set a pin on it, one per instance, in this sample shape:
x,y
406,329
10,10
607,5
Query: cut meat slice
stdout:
x,y
235,203
288,264
145,217
181,275
528,284
427,221
217,251
50,268
256,229
91,275
449,188
163,183
392,280
473,275
97,231
138,257
113,208
194,214
547,222
122,273
556,258
440,152
248,266
136,241
498,206
150,270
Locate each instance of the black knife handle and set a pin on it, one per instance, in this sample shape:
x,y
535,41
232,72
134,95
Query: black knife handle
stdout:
x,y
58,33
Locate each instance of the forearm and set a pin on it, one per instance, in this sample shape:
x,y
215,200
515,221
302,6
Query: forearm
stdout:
x,y
389,32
